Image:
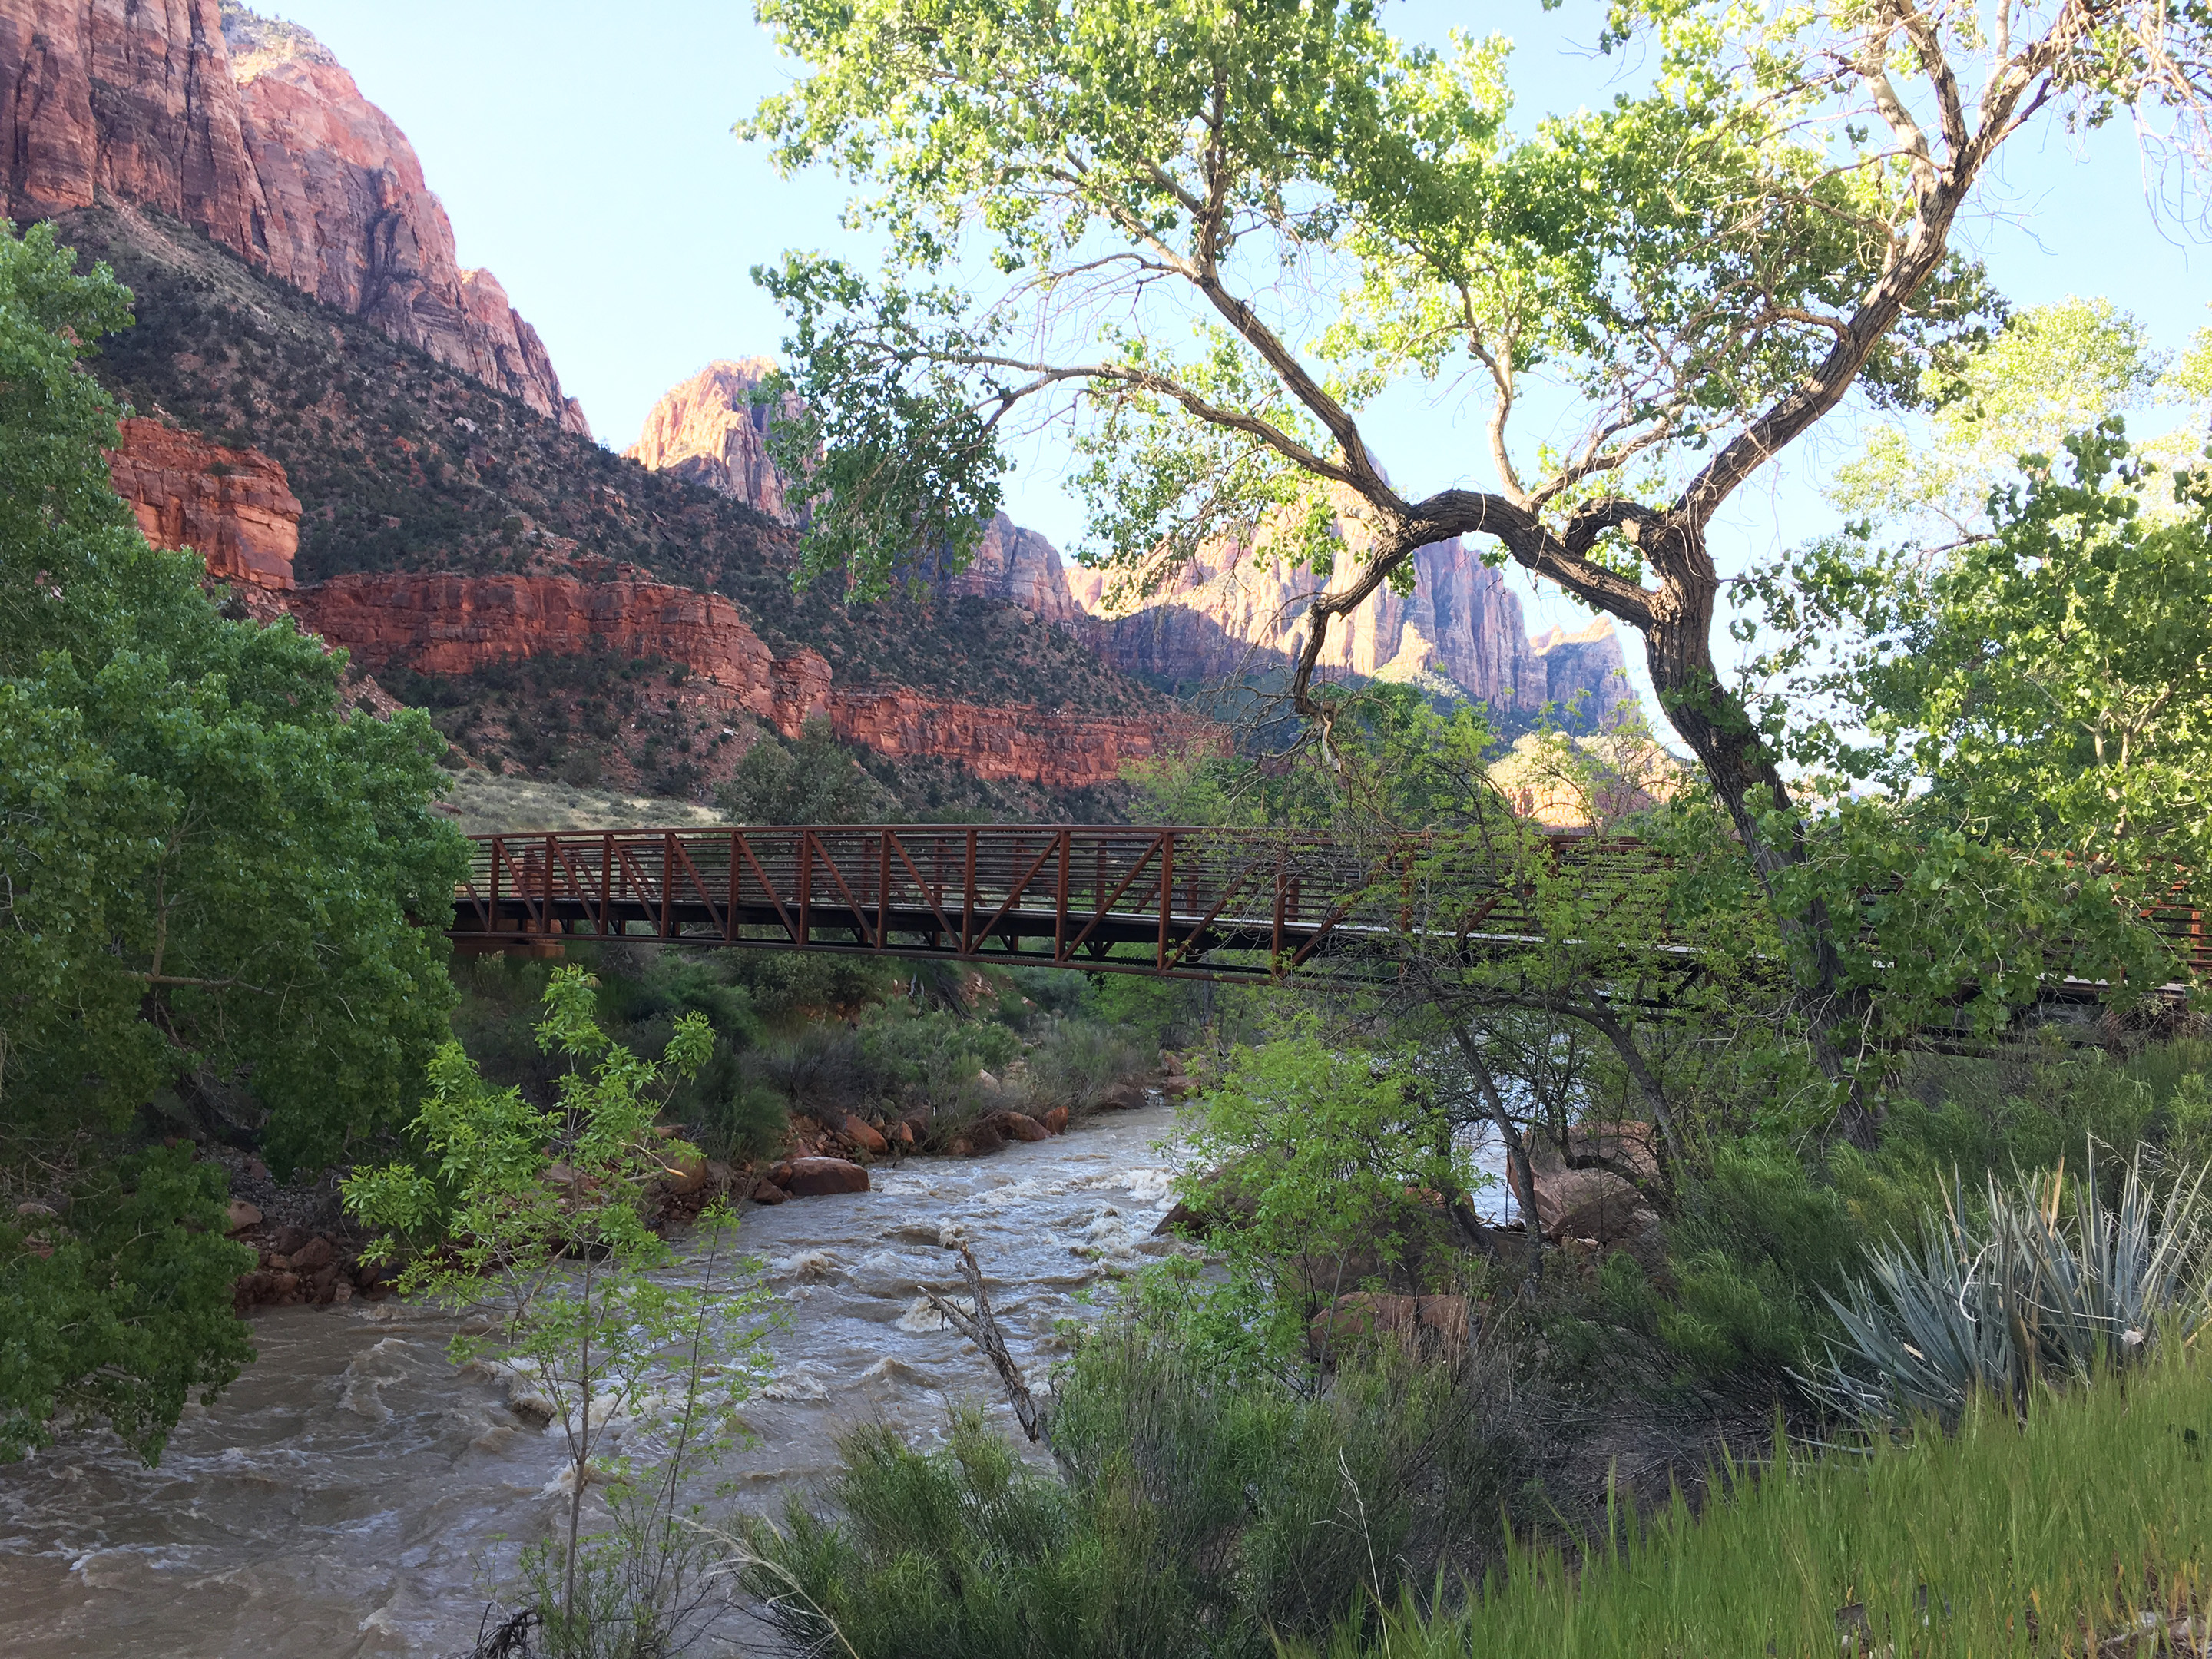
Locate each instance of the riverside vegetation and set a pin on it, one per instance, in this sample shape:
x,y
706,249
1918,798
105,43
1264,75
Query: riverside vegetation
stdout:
x,y
1967,750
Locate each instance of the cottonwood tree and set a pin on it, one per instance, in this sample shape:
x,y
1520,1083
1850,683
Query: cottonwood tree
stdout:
x,y
211,879
1224,231
2022,766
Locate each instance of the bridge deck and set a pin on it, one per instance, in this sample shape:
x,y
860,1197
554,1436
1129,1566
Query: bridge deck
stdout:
x,y
1174,902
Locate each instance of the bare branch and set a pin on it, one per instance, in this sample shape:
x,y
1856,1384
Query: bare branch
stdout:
x,y
981,1327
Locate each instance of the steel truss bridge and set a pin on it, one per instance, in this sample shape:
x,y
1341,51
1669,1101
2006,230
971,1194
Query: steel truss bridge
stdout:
x,y
1176,902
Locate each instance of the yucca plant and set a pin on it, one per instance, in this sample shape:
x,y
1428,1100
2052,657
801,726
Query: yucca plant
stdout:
x,y
2038,1292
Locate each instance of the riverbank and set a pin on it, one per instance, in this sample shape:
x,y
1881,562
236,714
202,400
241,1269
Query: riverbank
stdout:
x,y
346,1495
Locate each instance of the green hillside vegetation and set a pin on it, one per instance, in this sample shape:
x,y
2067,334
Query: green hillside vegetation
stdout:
x,y
403,464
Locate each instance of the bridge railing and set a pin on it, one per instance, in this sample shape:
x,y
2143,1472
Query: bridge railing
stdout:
x,y
1090,890
1161,899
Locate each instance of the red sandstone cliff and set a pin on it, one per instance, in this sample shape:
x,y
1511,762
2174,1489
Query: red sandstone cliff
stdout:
x,y
452,624
1461,627
251,131
232,507
235,509
1018,567
710,431
1057,748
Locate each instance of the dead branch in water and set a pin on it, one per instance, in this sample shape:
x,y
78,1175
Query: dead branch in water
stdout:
x,y
981,1327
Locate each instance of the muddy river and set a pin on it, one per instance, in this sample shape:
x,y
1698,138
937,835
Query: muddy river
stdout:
x,y
348,1494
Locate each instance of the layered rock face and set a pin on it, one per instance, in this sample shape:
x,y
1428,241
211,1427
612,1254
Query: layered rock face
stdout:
x,y
710,431
1225,614
1054,748
1460,630
232,507
1018,567
456,624
235,509
251,131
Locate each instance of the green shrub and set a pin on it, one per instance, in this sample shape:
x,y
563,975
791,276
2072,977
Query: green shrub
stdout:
x,y
2188,1127
1195,1515
2014,1112
746,1124
1076,1063
812,779
1757,1240
931,1053
821,1071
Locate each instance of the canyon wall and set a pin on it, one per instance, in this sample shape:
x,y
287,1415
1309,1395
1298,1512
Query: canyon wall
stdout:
x,y
1055,747
1225,614
236,510
249,130
455,624
232,507
1016,567
1460,630
710,431
452,625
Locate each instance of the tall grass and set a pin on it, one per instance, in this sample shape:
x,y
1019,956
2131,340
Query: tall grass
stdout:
x,y
2008,1537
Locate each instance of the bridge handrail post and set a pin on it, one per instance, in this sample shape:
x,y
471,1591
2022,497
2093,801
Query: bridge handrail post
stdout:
x,y
737,876
806,886
968,903
1060,898
547,925
1275,944
1167,894
883,889
667,881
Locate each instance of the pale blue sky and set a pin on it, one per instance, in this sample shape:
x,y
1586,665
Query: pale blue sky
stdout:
x,y
585,154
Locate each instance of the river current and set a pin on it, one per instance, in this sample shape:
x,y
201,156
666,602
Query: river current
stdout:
x,y
348,1494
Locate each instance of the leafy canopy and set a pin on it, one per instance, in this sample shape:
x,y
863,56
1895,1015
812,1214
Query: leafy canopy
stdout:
x,y
1223,231
213,884
2018,758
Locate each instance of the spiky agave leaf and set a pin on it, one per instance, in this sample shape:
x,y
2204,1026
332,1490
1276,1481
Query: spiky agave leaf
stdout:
x,y
2032,1293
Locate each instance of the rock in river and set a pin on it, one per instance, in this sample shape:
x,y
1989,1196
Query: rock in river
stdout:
x,y
815,1177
